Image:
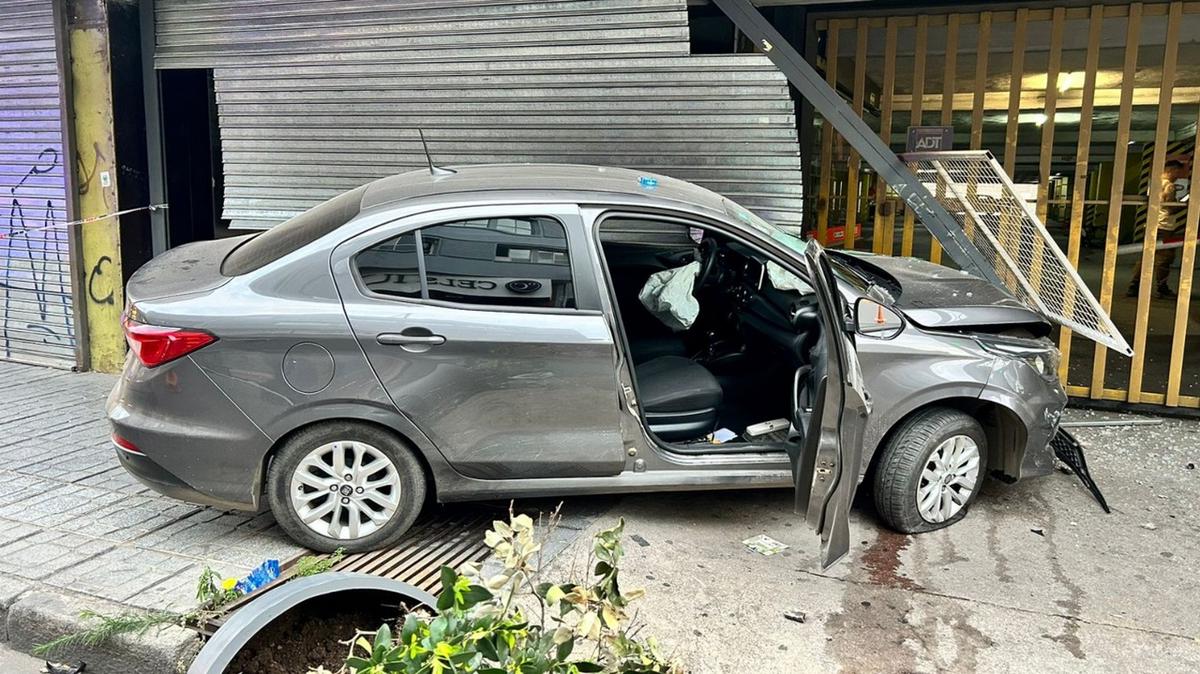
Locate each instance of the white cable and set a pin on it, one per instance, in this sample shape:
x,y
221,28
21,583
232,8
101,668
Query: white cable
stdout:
x,y
84,221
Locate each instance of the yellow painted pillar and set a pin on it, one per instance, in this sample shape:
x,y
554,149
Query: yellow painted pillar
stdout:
x,y
96,182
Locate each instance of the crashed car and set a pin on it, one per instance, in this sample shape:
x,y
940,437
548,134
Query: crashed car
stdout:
x,y
532,330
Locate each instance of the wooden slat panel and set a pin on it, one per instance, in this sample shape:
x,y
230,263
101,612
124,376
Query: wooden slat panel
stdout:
x,y
1053,69
994,100
918,93
1080,182
1120,394
1133,34
1184,301
1053,66
1141,325
981,65
1110,12
1008,225
1014,91
883,214
824,205
862,35
949,83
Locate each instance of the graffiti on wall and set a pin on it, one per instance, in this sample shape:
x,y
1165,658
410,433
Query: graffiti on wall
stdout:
x,y
35,274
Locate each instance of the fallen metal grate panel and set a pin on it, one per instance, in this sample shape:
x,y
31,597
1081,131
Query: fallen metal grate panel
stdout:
x,y
974,188
1069,451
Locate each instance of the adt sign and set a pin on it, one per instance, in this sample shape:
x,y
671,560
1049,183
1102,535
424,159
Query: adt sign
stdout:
x,y
930,138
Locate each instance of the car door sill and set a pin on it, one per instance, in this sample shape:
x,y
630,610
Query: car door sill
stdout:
x,y
707,449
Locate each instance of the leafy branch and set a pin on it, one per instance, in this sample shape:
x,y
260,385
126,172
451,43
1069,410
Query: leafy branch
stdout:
x,y
480,626
213,593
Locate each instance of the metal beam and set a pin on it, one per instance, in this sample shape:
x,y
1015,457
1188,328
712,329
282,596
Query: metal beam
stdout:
x,y
860,136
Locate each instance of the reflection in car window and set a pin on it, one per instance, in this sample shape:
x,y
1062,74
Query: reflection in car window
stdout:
x,y
390,268
520,261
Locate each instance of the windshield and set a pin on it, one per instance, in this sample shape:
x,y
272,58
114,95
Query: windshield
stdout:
x,y
790,240
846,273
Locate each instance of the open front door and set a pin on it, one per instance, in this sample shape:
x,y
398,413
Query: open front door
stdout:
x,y
830,413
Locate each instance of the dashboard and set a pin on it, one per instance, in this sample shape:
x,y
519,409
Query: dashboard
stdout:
x,y
787,318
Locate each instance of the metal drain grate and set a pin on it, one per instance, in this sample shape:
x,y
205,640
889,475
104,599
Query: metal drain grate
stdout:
x,y
449,539
420,556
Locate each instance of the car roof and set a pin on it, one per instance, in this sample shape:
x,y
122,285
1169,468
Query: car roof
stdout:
x,y
542,181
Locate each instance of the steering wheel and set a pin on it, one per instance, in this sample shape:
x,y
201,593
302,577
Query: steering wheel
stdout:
x,y
708,261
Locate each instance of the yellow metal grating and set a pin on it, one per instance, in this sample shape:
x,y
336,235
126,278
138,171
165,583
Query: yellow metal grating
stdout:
x,y
974,188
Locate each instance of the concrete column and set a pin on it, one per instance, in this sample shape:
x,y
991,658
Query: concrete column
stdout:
x,y
99,274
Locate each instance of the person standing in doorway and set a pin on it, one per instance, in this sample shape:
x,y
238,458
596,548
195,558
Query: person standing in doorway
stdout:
x,y
1167,224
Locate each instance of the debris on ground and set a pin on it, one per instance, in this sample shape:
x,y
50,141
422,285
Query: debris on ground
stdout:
x,y
1068,450
1039,531
764,545
796,616
63,668
1151,526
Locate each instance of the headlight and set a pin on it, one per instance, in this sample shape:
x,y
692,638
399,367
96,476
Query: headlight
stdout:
x,y
1041,356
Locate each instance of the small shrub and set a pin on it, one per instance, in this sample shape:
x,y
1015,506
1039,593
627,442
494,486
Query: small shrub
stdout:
x,y
511,622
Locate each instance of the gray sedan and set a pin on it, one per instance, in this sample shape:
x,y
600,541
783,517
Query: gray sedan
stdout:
x,y
532,330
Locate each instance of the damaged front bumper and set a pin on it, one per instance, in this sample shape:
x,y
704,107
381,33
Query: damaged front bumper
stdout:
x,y
1034,394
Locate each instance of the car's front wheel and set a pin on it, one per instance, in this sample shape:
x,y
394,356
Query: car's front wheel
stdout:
x,y
930,471
345,485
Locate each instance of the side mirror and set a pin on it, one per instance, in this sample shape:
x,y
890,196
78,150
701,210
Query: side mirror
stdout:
x,y
872,319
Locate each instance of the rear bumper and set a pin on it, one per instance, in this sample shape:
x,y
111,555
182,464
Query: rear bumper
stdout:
x,y
164,482
192,442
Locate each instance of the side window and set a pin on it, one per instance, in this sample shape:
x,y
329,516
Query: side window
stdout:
x,y
390,268
509,261
499,261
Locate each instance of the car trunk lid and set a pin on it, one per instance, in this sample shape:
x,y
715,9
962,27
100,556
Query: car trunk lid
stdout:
x,y
190,268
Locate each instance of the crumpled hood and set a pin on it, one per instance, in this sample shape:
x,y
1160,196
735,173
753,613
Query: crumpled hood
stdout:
x,y
934,296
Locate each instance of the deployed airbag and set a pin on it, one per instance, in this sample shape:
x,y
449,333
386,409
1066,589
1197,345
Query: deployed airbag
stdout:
x,y
668,295
783,279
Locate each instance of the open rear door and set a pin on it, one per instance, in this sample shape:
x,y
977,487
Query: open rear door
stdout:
x,y
831,410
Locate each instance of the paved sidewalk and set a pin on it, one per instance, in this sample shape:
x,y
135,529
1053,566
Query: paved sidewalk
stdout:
x,y
77,532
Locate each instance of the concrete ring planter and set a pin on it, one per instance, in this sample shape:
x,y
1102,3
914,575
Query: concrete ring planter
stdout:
x,y
257,614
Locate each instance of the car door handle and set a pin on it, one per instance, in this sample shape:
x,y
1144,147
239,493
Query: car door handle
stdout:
x,y
401,339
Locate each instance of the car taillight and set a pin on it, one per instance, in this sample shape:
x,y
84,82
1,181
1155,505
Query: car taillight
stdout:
x,y
155,345
125,444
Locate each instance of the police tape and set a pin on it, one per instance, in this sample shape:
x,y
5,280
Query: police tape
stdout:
x,y
26,231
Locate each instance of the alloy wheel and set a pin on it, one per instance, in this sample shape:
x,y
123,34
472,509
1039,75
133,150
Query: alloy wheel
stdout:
x,y
948,479
345,490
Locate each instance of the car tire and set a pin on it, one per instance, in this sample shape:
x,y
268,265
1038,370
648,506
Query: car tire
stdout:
x,y
366,491
905,496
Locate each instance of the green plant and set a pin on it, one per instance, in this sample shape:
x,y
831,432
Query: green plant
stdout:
x,y
311,565
511,623
107,628
213,593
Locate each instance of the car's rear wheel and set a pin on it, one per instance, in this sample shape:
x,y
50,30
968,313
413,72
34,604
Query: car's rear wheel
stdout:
x,y
930,471
345,485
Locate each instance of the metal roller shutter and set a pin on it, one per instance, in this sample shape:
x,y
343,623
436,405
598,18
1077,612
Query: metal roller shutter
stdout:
x,y
36,314
320,96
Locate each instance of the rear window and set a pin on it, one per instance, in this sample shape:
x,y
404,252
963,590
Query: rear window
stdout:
x,y
292,235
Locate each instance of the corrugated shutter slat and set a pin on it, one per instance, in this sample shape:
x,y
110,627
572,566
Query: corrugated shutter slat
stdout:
x,y
319,96
36,316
